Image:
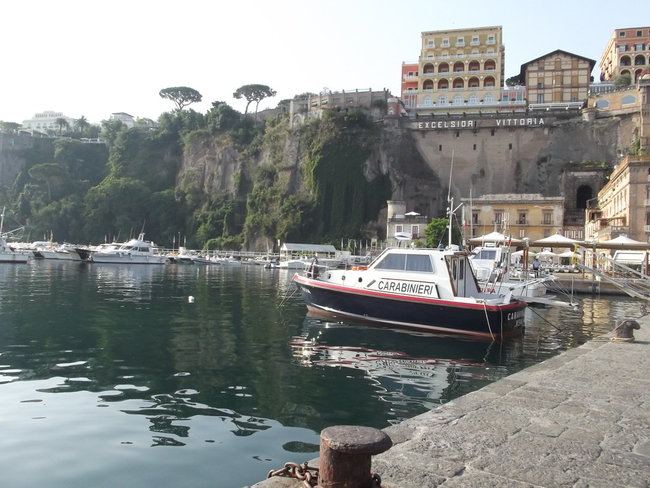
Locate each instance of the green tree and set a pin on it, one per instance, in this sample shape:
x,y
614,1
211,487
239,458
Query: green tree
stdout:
x,y
61,123
82,125
10,127
253,93
182,96
513,81
221,117
621,81
437,232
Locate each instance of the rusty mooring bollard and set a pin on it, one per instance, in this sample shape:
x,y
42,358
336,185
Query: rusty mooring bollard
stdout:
x,y
345,455
624,332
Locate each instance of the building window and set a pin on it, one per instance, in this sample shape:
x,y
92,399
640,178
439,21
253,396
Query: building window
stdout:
x,y
522,233
540,98
439,147
474,147
498,217
639,33
510,146
547,219
445,42
430,43
490,40
475,218
415,231
522,218
399,228
621,34
540,85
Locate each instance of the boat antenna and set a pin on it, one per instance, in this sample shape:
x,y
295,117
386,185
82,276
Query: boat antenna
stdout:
x,y
450,199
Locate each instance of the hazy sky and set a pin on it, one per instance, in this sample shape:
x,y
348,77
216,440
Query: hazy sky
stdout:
x,y
96,57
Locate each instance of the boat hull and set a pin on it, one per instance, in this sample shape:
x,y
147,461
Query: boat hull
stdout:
x,y
412,312
127,259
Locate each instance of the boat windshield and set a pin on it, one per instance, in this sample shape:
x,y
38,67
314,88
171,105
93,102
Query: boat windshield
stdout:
x,y
490,254
406,262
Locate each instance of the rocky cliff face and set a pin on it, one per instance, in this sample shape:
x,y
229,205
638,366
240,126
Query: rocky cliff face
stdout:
x,y
486,159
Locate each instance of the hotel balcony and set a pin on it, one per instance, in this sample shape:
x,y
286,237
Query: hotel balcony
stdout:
x,y
496,104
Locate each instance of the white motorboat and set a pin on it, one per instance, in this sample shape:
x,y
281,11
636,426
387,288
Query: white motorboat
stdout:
x,y
134,251
7,253
432,290
493,270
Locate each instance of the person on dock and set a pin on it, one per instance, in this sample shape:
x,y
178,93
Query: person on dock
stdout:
x,y
536,266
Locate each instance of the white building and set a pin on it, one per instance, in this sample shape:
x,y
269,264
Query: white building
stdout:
x,y
125,118
46,121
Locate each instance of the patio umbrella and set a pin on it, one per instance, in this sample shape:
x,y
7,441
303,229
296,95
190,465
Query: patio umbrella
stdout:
x,y
556,240
621,242
494,237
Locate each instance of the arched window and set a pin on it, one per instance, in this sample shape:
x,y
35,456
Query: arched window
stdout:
x,y
583,194
625,61
443,68
474,66
489,82
459,83
490,65
473,82
427,85
458,100
488,98
639,60
443,84
473,99
459,67
427,101
442,100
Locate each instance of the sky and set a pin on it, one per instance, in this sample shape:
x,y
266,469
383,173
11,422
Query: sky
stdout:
x,y
92,58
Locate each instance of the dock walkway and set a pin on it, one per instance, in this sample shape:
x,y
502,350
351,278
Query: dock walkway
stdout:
x,y
580,419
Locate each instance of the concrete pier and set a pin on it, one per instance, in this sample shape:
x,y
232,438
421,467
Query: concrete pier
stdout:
x,y
580,419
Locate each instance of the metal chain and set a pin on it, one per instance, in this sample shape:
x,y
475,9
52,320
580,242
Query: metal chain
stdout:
x,y
309,476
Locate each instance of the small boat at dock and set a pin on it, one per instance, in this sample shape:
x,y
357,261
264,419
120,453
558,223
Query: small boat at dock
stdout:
x,y
134,251
432,290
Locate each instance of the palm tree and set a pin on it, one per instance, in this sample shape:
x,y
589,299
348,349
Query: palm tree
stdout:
x,y
81,124
61,123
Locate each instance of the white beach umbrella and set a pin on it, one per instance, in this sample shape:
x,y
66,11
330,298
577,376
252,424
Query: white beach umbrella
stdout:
x,y
556,240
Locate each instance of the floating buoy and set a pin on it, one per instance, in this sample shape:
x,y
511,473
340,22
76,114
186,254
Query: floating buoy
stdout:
x,y
190,299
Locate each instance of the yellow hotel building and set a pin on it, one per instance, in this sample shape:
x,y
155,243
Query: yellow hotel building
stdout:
x,y
460,69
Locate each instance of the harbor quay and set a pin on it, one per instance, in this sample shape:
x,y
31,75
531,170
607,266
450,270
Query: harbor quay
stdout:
x,y
580,419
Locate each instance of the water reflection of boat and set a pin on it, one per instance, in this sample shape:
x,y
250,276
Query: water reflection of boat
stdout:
x,y
406,366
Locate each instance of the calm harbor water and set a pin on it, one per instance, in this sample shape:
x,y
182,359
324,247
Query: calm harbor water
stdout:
x,y
109,376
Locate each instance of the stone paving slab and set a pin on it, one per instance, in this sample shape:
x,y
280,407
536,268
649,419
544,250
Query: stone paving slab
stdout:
x,y
580,419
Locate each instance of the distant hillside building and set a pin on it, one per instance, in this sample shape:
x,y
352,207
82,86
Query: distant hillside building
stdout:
x,y
460,66
627,52
558,78
623,204
531,216
47,121
409,85
125,118
300,109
